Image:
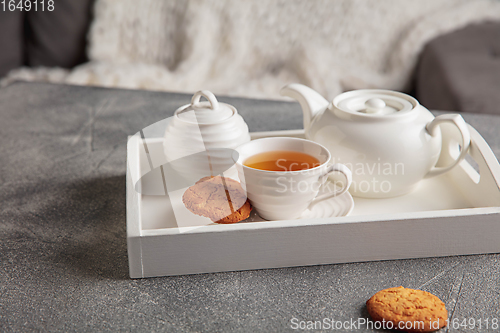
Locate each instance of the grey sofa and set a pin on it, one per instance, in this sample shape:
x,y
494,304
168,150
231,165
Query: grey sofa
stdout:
x,y
45,38
460,71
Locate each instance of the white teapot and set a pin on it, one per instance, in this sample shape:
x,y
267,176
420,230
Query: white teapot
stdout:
x,y
388,140
200,137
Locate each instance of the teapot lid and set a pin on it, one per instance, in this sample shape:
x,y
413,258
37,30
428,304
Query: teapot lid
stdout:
x,y
209,112
375,102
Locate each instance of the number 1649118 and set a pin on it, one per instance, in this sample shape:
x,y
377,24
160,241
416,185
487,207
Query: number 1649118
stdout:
x,y
472,323
27,5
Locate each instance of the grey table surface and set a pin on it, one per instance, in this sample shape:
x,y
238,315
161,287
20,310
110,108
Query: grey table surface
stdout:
x,y
63,250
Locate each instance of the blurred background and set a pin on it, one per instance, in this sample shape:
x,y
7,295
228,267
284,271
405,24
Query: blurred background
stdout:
x,y
444,52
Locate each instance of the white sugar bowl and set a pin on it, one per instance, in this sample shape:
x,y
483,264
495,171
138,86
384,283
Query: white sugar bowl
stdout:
x,y
200,137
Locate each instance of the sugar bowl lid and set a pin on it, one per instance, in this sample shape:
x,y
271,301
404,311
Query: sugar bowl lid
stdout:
x,y
375,102
208,112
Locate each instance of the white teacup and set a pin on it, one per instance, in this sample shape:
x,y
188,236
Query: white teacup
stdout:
x,y
282,195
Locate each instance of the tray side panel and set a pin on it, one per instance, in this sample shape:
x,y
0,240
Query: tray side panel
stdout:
x,y
320,244
133,216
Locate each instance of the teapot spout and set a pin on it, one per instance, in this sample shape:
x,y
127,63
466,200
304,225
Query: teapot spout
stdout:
x,y
310,101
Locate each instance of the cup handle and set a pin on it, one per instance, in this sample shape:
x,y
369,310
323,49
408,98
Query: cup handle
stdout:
x,y
459,122
338,167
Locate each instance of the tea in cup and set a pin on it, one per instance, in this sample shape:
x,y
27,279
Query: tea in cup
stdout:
x,y
282,176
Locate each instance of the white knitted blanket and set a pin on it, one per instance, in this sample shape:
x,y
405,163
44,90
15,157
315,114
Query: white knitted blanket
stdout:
x,y
254,47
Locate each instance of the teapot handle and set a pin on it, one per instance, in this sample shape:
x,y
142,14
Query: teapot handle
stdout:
x,y
195,101
459,122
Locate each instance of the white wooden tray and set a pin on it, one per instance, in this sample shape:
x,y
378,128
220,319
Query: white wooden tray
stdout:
x,y
453,214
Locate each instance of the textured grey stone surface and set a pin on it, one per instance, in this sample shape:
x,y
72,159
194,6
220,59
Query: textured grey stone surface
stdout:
x,y
63,252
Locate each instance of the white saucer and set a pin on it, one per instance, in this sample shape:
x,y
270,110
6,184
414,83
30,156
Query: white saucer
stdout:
x,y
341,205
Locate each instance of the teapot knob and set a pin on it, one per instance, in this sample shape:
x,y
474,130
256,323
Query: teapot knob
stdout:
x,y
195,101
374,105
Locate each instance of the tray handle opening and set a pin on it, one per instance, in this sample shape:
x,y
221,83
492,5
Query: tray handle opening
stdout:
x,y
469,164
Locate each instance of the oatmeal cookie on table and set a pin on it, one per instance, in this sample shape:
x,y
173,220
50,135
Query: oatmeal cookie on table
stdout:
x,y
409,310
